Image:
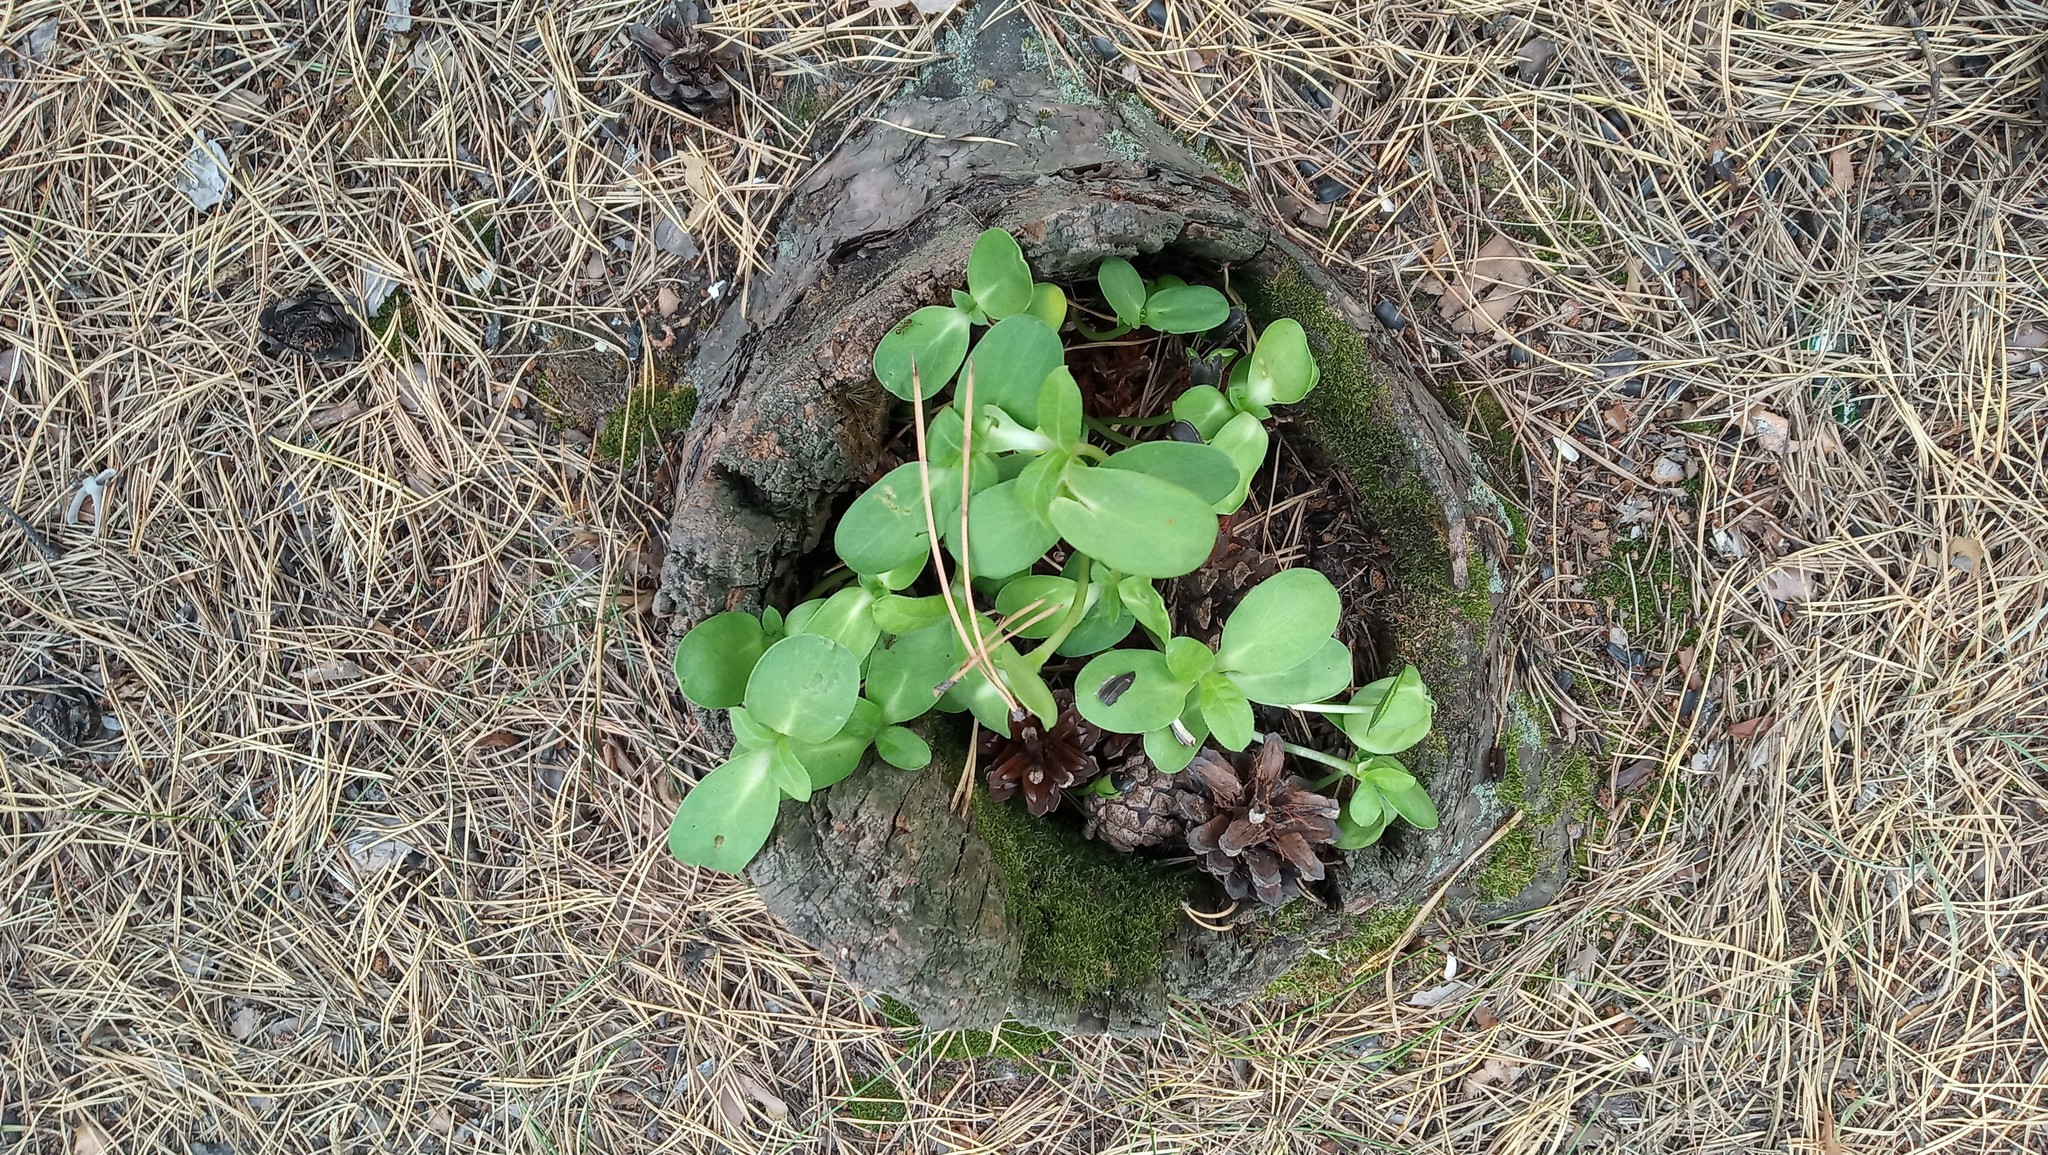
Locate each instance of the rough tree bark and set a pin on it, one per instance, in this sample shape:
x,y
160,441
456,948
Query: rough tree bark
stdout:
x,y
876,872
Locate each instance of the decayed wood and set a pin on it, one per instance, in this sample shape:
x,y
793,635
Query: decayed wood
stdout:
x,y
876,872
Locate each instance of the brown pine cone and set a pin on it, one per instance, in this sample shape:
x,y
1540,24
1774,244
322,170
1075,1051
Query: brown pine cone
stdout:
x,y
1042,763
314,323
683,66
1253,827
1143,812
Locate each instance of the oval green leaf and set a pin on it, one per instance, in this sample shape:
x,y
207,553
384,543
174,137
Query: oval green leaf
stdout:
x,y
1186,309
1010,362
1142,600
997,276
1282,370
1403,794
902,748
1152,699
715,658
884,528
847,617
1059,408
1049,304
1135,523
1401,713
1004,535
1123,288
934,338
724,820
1281,623
1365,808
1168,753
1039,482
1203,470
1353,836
903,674
1243,439
804,686
1324,675
791,775
1228,713
1189,659
1205,408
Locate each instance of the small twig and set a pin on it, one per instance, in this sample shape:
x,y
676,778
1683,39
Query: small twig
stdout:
x,y
981,652
931,529
965,790
35,539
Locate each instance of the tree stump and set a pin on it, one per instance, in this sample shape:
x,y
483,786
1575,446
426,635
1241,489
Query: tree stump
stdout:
x,y
957,916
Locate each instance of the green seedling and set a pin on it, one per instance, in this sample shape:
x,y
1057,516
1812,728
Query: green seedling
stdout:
x,y
1009,472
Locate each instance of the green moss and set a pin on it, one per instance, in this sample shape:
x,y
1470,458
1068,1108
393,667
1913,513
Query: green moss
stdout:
x,y
649,415
1353,420
1092,920
1012,1040
1330,970
874,1100
1510,866
1643,589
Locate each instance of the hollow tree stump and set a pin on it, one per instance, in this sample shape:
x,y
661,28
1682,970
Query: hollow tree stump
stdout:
x,y
903,895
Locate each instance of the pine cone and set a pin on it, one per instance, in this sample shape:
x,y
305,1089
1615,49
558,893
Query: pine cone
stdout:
x,y
1256,831
1144,811
683,67
315,324
1042,763
63,716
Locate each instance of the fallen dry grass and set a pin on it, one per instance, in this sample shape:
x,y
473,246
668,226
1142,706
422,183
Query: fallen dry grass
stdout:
x,y
368,862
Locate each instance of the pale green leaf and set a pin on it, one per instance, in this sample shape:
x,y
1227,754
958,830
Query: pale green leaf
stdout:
x,y
935,338
804,686
997,276
1135,523
1147,700
726,818
716,656
1280,623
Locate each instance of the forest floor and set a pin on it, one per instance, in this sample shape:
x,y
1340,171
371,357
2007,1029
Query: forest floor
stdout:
x,y
358,848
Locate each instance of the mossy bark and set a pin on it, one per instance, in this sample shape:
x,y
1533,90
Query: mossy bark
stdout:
x,y
963,919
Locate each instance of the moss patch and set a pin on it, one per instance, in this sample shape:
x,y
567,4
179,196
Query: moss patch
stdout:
x,y
1092,919
648,416
1012,1040
1644,590
1328,972
1352,418
874,1100
1512,864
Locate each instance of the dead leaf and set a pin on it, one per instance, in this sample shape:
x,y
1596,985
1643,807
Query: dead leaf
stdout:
x,y
1841,171
337,670
1483,1016
1486,291
1633,775
1533,60
1491,1073
731,1109
203,177
1751,727
1966,554
1437,996
2028,335
1583,963
497,740
1788,584
668,301
441,1121
593,269
88,1139
246,1021
1618,416
1772,432
374,849
334,415
771,1106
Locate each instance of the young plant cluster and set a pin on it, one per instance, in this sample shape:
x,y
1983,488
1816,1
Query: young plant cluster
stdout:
x,y
947,601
